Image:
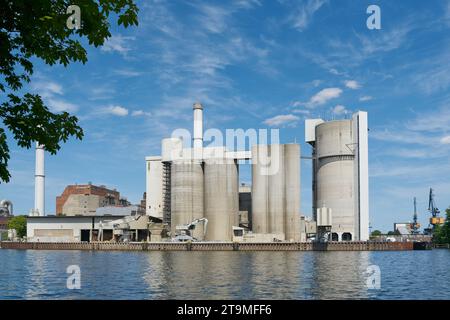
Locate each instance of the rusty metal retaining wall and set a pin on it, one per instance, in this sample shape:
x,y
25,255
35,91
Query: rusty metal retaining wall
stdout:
x,y
213,246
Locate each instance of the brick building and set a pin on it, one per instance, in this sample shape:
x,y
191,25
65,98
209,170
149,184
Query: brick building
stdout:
x,y
85,199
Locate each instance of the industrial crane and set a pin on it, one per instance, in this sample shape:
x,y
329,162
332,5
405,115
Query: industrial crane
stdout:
x,y
415,225
435,219
117,225
184,231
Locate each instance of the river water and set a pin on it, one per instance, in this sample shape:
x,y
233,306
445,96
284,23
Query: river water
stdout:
x,y
30,274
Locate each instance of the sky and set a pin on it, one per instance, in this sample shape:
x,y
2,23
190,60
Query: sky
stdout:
x,y
257,64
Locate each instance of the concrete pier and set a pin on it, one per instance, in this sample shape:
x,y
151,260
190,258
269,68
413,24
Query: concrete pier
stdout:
x,y
212,246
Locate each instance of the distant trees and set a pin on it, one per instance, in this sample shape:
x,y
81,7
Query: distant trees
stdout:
x,y
441,233
20,224
376,233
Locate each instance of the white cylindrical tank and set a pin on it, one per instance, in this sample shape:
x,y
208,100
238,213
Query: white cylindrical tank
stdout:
x,y
334,176
171,149
292,168
260,189
186,194
277,190
221,198
39,180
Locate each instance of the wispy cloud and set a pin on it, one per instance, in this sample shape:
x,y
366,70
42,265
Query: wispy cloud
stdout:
x,y
52,94
339,110
323,96
115,111
127,73
352,84
282,120
303,13
365,98
117,43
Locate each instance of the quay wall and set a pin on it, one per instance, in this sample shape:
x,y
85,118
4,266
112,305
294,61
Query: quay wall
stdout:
x,y
212,246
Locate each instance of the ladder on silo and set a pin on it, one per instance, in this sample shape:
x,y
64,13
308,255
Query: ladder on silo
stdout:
x,y
166,192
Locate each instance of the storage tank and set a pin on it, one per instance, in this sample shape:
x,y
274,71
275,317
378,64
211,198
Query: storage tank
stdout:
x,y
260,189
335,170
186,194
276,191
292,168
221,198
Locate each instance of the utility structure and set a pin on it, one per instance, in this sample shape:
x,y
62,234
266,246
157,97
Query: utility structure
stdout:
x,y
415,226
341,174
191,181
435,219
39,182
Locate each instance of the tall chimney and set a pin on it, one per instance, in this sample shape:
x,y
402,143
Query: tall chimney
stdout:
x,y
198,130
39,181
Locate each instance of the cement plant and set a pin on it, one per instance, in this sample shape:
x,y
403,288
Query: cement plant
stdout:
x,y
193,194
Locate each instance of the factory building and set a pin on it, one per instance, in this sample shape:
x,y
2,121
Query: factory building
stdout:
x,y
85,199
340,174
185,184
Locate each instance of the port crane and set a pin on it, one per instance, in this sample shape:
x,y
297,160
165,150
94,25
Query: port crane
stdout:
x,y
415,225
435,218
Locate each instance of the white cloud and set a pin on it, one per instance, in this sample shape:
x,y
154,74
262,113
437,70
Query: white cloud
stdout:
x,y
282,119
303,14
116,111
365,98
324,96
352,84
58,105
445,140
139,113
339,110
127,73
47,89
117,43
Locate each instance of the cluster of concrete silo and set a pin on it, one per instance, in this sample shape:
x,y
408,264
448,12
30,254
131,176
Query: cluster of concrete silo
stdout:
x,y
276,190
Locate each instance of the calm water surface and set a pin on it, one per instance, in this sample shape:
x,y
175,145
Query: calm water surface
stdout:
x,y
28,274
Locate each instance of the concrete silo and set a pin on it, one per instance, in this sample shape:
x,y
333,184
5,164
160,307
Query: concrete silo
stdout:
x,y
340,173
276,190
186,193
221,198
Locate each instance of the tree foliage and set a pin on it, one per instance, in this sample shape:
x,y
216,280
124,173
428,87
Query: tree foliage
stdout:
x,y
441,233
20,224
376,233
38,29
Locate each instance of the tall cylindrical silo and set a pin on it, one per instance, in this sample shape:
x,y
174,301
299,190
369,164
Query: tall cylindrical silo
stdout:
x,y
260,189
292,169
186,194
334,173
221,198
276,193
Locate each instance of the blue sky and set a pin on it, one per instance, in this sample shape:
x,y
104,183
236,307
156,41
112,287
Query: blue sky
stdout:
x,y
257,64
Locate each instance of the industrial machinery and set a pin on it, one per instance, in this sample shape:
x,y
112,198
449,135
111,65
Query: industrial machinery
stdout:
x,y
120,228
435,218
415,226
184,231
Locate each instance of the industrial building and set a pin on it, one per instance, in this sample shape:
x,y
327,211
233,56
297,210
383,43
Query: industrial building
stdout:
x,y
193,193
185,184
341,175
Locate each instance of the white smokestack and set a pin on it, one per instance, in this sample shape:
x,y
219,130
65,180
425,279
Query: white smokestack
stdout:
x,y
198,130
39,182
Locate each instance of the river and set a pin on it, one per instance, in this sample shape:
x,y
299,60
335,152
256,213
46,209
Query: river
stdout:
x,y
30,274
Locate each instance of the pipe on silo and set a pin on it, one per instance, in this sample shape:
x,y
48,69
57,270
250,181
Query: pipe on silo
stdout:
x,y
221,198
39,181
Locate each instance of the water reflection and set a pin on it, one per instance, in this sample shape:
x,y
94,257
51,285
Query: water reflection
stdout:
x,y
224,275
